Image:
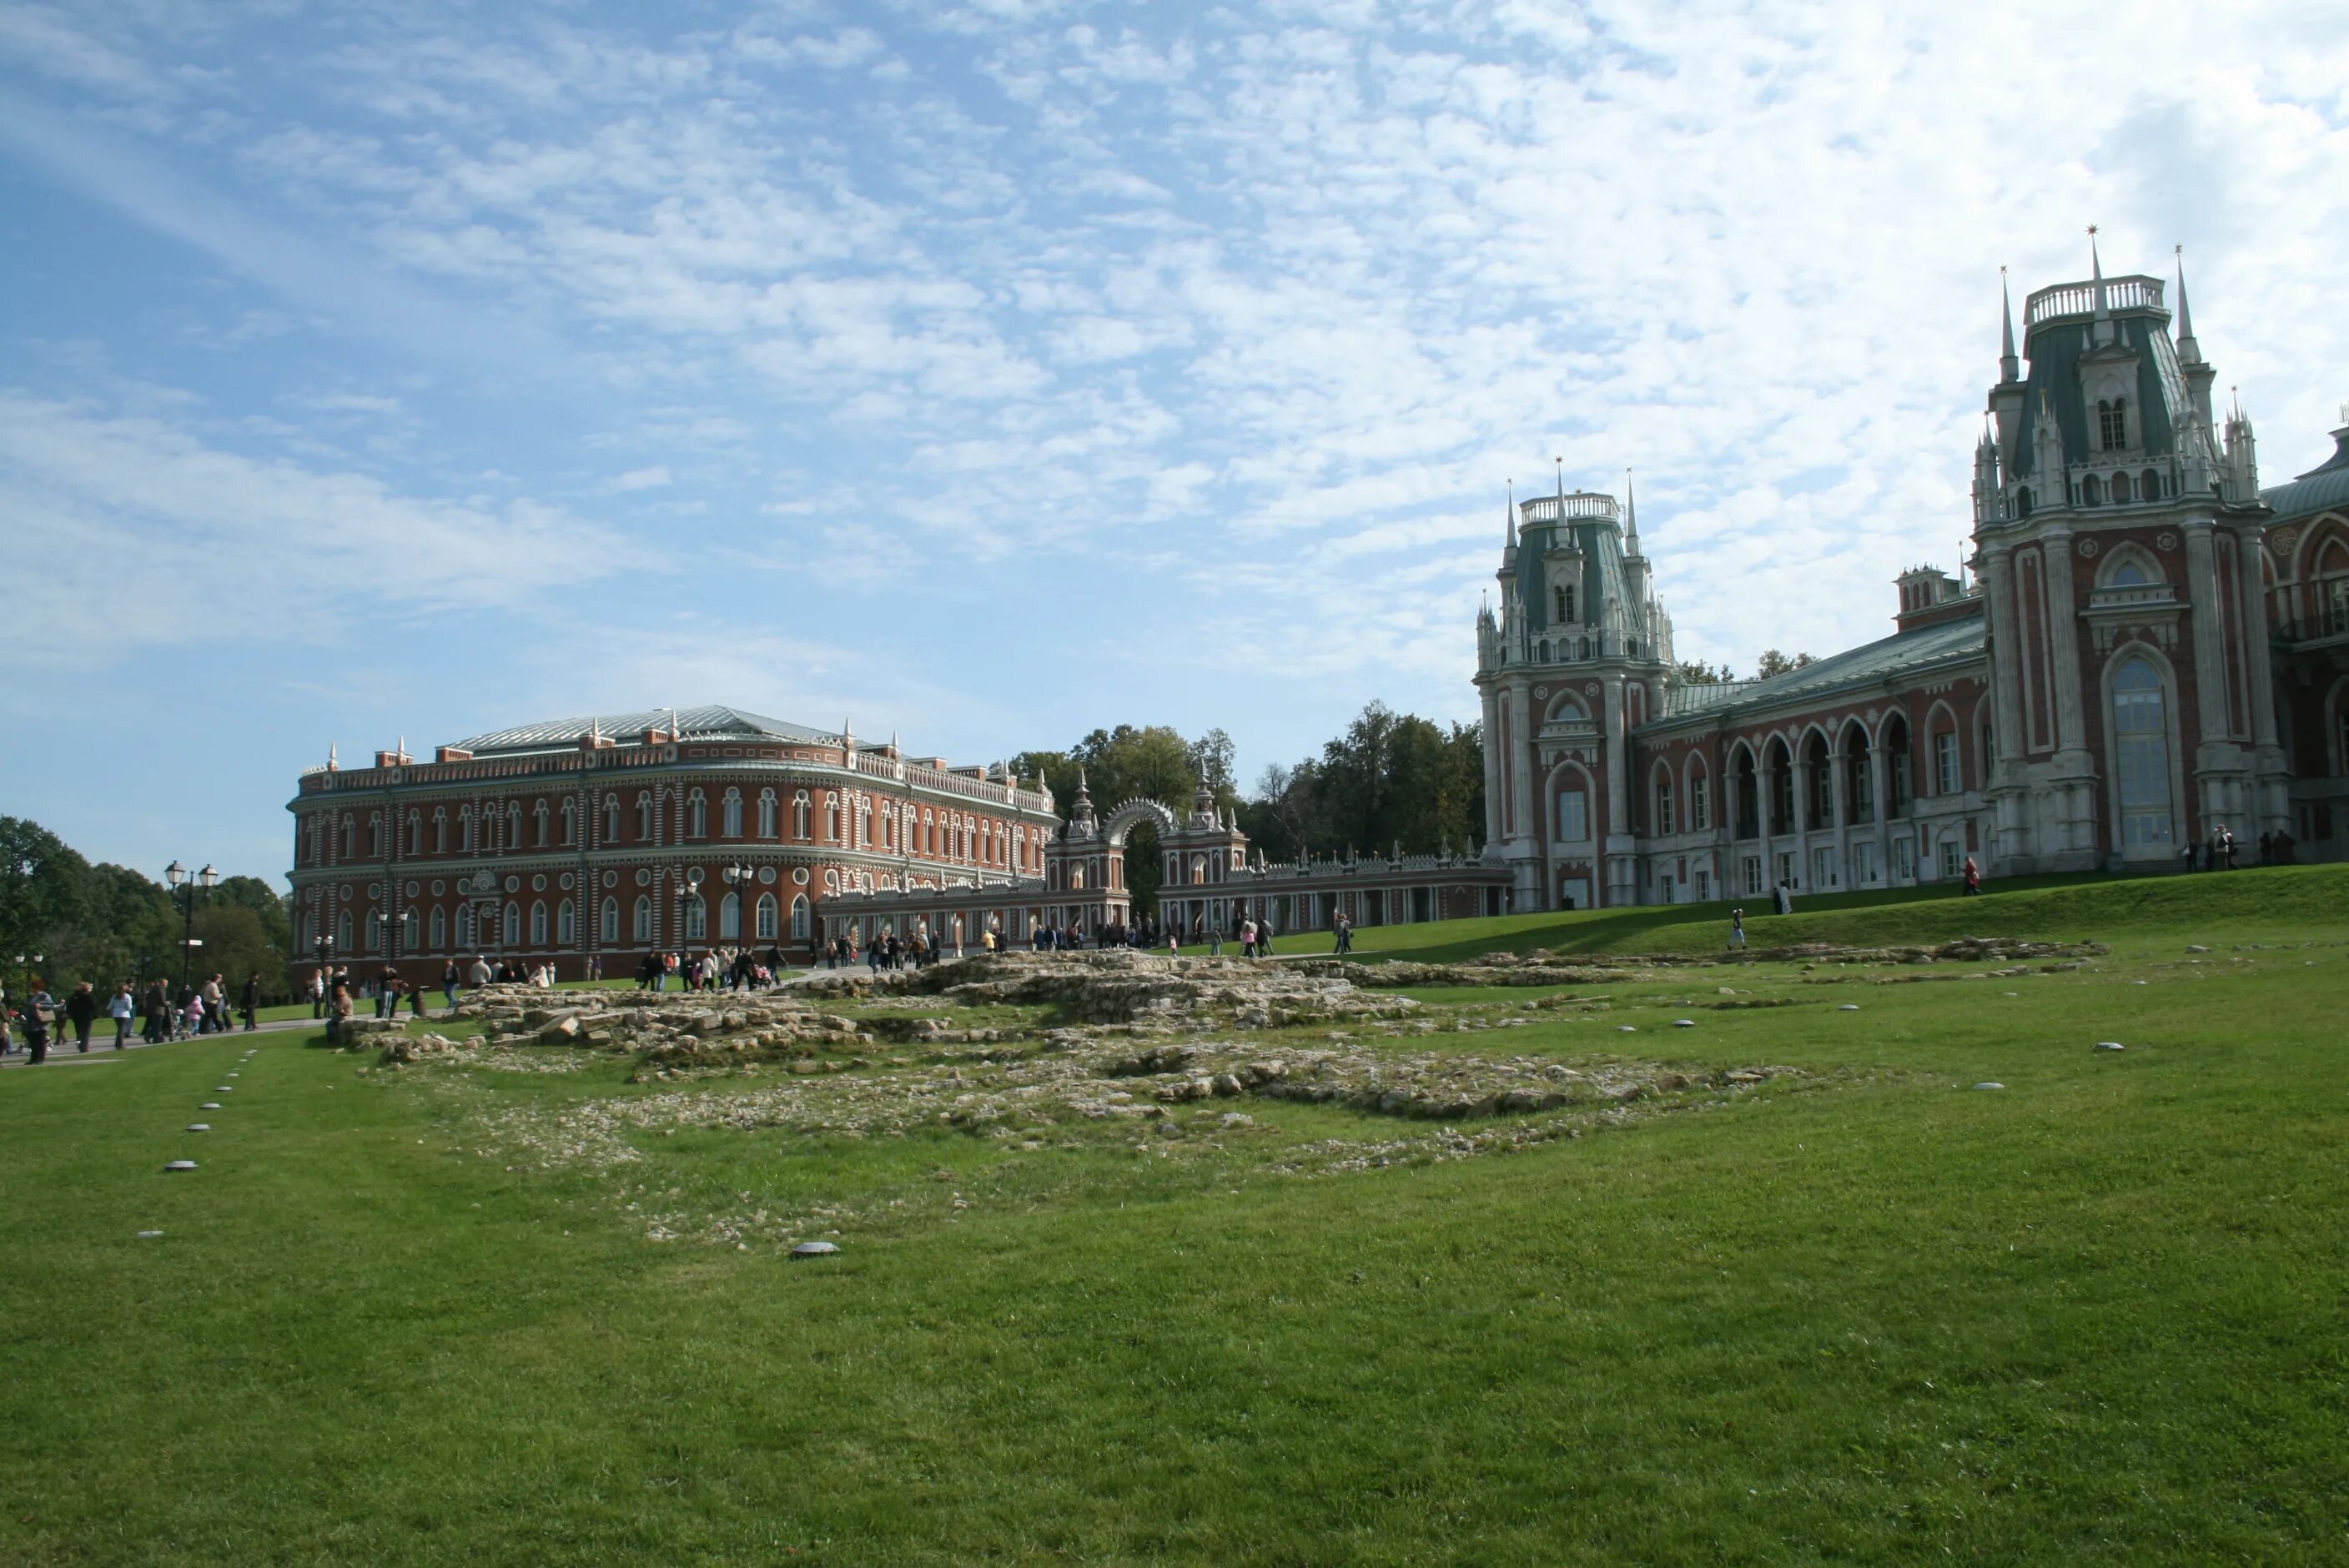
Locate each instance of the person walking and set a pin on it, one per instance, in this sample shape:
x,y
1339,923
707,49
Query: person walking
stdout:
x,y
37,1024
448,982
249,1003
121,1007
158,1009
1973,878
215,1005
1737,928
82,1008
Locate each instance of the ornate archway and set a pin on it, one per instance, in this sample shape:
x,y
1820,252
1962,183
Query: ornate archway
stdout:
x,y
1121,821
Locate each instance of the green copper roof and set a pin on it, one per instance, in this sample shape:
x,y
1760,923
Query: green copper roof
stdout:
x,y
2056,350
710,722
1871,663
2324,488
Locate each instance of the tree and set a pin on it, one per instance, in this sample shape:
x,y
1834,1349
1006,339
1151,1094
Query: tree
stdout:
x,y
1698,673
44,887
1775,663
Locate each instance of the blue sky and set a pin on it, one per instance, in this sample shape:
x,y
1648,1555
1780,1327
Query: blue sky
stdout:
x,y
986,374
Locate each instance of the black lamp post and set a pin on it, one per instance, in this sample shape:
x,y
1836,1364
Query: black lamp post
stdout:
x,y
183,887
743,876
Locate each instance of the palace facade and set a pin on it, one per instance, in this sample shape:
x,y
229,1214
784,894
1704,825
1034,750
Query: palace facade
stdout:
x,y
2150,648
2147,646
605,839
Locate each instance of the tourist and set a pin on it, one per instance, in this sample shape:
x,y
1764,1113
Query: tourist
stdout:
x,y
191,1016
1214,940
1784,897
1737,928
2189,854
82,1008
2225,842
338,1012
1973,878
215,1015
121,1007
594,969
249,1003
318,991
37,1026
157,1007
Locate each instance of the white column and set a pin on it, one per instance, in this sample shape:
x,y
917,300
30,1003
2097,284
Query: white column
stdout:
x,y
1879,780
2063,642
2210,653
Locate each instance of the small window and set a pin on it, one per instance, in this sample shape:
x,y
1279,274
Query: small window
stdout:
x,y
2112,424
766,912
2128,574
1946,780
2120,489
1573,816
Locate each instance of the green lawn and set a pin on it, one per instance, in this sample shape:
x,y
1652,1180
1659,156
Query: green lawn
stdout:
x,y
1862,1313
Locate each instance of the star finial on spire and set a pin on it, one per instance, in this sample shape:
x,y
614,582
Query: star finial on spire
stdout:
x,y
1561,477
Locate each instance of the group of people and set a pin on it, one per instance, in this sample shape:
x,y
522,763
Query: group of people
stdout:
x,y
203,1008
719,969
2219,853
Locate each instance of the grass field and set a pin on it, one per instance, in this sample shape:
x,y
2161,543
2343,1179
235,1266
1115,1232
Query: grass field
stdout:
x,y
1862,1311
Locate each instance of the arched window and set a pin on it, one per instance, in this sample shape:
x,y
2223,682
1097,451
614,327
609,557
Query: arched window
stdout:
x,y
1565,601
2023,501
697,816
346,839
1573,816
729,917
465,926
375,931
1700,797
539,819
2148,486
343,931
644,817
2092,491
439,830
767,813
798,918
832,825
697,917
374,835
465,828
440,929
2127,573
565,925
766,917
1663,823
644,919
611,927
2120,489
537,923
416,832
2112,424
2141,739
514,925
570,823
731,814
1541,650
611,818
800,816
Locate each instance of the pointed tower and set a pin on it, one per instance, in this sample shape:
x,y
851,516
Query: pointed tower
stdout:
x,y
2199,374
2010,369
1986,496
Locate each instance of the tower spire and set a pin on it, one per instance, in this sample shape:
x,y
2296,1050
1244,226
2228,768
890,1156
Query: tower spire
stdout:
x,y
2188,351
1631,517
1509,516
1561,477
2010,369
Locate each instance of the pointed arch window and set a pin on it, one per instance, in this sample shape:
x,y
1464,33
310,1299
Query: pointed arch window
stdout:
x,y
2141,737
566,923
539,819
415,832
2112,424
612,821
644,919
514,925
697,816
537,923
696,918
570,823
729,917
766,916
465,924
731,814
346,839
611,927
1564,602
514,825
440,929
767,814
644,817
799,814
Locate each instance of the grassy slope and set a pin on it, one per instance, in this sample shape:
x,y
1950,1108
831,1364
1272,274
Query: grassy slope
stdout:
x,y
2045,907
2096,1317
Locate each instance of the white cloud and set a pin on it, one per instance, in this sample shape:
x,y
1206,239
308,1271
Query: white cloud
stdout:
x,y
654,477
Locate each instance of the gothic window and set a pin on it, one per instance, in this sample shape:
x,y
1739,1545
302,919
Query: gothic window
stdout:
x,y
767,814
697,917
2148,486
1700,801
570,823
729,917
1859,785
465,828
1565,599
697,816
643,818
465,925
343,931
440,929
1822,781
611,820
766,915
374,835
1573,817
611,925
2112,424
541,817
729,814
514,925
415,832
346,839
644,921
514,825
537,923
2120,489
375,931
799,917
800,815
1946,779
2141,731
565,930
440,831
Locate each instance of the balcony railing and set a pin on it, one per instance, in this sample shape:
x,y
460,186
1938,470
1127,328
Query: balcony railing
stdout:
x,y
2322,624
2134,291
1582,503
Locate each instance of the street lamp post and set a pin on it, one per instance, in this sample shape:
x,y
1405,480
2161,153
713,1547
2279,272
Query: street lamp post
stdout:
x,y
742,877
183,887
682,879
